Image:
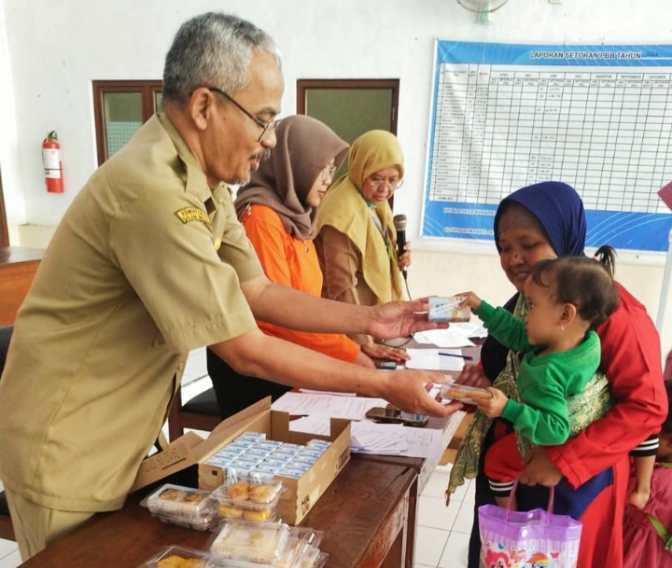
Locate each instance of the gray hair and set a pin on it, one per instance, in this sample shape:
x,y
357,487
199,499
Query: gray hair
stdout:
x,y
213,50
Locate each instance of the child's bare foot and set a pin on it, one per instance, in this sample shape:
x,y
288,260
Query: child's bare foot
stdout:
x,y
639,498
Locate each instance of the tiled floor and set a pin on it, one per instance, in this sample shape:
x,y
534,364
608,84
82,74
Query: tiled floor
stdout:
x,y
443,532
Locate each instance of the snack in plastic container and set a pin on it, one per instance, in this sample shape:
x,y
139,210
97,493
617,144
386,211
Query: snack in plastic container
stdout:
x,y
183,506
234,490
463,393
243,543
179,557
176,499
253,500
265,491
446,309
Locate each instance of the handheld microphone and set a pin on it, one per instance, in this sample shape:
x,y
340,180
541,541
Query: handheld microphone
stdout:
x,y
400,226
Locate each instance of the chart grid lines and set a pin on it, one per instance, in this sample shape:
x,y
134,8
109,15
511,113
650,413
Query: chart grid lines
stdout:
x,y
509,115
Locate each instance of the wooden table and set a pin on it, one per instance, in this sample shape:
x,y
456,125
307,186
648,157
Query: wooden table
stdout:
x,y
423,468
364,514
17,268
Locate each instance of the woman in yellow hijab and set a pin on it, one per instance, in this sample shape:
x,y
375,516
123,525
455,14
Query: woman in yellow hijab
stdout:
x,y
356,241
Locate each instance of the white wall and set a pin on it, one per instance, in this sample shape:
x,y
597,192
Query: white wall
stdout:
x,y
57,47
9,144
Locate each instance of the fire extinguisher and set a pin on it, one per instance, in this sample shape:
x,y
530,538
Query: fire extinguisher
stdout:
x,y
53,168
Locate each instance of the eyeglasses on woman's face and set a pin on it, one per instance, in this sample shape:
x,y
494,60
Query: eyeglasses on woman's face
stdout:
x,y
266,127
392,182
328,173
380,185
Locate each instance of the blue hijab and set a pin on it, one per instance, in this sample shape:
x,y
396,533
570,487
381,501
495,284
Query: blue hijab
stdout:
x,y
558,208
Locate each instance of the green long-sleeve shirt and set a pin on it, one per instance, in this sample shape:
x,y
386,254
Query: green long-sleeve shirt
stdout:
x,y
544,381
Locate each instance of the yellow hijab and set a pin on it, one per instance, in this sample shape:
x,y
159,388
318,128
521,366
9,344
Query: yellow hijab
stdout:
x,y
345,209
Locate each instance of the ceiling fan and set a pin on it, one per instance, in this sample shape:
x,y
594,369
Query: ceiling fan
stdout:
x,y
481,6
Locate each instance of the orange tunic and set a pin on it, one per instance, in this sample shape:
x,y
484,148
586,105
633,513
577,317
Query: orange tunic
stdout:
x,y
294,263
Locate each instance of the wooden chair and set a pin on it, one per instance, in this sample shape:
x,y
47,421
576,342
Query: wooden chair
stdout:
x,y
6,528
199,413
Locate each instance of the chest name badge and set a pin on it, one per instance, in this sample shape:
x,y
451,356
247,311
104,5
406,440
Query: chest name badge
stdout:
x,y
193,214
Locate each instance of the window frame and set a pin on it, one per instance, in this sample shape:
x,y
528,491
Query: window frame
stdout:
x,y
148,90
302,85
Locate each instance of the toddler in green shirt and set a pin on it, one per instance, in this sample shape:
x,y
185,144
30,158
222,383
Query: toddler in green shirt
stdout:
x,y
568,299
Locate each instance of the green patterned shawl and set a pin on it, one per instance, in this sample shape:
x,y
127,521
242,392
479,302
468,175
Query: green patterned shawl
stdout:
x,y
583,409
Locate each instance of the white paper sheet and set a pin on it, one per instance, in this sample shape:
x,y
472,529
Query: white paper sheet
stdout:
x,y
430,360
469,329
367,436
350,407
382,439
444,338
315,424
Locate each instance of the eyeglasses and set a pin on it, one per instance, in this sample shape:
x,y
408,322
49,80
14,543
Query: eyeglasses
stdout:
x,y
393,184
328,172
266,127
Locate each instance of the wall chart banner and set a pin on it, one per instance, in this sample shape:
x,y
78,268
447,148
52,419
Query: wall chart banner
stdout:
x,y
598,117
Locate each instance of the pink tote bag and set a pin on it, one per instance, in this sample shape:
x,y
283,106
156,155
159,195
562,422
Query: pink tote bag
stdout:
x,y
520,539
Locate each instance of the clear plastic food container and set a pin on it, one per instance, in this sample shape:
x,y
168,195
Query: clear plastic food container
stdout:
x,y
299,546
179,557
204,521
311,558
183,506
246,544
463,393
171,498
249,500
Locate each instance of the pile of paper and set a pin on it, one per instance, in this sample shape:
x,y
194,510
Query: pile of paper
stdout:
x,y
457,335
382,439
316,411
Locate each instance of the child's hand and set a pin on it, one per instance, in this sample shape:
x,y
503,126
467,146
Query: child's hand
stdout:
x,y
639,498
494,406
471,300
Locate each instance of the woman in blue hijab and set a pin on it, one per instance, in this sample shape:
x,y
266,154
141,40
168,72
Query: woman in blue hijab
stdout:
x,y
554,211
590,471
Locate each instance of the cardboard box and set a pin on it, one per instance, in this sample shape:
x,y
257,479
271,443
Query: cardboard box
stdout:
x,y
301,493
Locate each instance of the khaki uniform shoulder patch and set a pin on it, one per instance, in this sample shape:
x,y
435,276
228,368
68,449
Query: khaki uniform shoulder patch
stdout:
x,y
193,214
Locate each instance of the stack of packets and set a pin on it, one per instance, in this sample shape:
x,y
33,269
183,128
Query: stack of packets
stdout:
x,y
245,544
250,491
251,454
242,511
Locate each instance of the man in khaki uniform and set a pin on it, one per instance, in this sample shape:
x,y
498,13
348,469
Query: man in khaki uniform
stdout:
x,y
149,263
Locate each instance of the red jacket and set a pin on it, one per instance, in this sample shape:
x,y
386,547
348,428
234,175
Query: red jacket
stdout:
x,y
631,359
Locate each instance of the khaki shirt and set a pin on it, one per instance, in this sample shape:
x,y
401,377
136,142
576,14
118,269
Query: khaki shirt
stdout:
x,y
145,266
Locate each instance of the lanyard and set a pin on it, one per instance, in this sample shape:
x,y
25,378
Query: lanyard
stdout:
x,y
379,226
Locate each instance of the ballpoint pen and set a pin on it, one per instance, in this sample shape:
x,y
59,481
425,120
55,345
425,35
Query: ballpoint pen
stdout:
x,y
465,357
